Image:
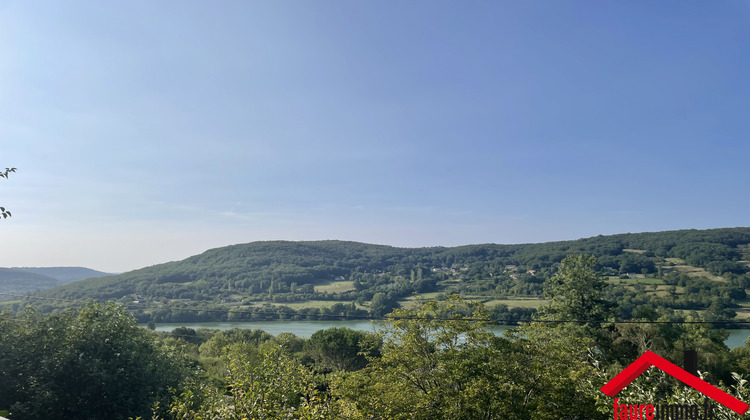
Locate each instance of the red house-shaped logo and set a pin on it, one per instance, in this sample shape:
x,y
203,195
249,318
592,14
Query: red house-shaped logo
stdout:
x,y
649,359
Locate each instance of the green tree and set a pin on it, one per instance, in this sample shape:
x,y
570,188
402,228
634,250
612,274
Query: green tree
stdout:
x,y
575,293
4,174
216,345
277,386
439,362
336,349
89,363
382,304
422,372
554,367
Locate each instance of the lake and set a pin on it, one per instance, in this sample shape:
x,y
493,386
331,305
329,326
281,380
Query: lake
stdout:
x,y
305,329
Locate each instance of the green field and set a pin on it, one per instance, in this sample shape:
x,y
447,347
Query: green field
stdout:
x,y
308,304
692,271
315,304
743,311
631,282
424,296
413,300
335,287
517,302
489,302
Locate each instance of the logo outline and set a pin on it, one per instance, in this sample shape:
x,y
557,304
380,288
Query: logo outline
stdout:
x,y
649,358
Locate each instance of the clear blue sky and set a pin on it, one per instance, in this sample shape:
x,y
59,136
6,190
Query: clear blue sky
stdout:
x,y
149,131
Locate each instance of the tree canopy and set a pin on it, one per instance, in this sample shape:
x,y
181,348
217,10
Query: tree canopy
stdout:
x,y
88,363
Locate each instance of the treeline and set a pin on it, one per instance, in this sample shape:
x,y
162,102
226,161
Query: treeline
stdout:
x,y
380,306
432,361
281,272
191,313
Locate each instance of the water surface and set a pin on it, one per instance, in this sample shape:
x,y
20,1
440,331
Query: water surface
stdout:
x,y
305,329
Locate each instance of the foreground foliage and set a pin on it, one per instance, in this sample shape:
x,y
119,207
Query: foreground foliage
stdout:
x,y
277,386
88,364
434,360
438,363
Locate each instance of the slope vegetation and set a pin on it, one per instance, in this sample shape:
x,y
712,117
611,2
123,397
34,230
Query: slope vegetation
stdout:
x,y
259,280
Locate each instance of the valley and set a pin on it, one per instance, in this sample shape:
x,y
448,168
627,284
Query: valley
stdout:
x,y
673,274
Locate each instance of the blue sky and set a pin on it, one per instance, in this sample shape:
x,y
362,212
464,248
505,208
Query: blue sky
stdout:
x,y
145,132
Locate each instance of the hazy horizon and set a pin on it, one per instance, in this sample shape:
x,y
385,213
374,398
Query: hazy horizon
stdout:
x,y
147,132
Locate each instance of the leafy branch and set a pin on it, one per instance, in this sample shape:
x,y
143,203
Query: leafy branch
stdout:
x,y
7,171
3,212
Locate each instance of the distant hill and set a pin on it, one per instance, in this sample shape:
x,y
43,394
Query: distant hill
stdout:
x,y
16,281
682,270
65,275
21,280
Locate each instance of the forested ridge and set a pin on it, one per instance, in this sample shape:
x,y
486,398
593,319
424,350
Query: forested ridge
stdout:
x,y
648,273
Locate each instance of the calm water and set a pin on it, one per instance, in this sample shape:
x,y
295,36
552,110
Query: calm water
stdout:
x,y
299,328
306,328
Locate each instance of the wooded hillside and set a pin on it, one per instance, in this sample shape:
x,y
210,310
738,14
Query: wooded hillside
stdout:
x,y
681,270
